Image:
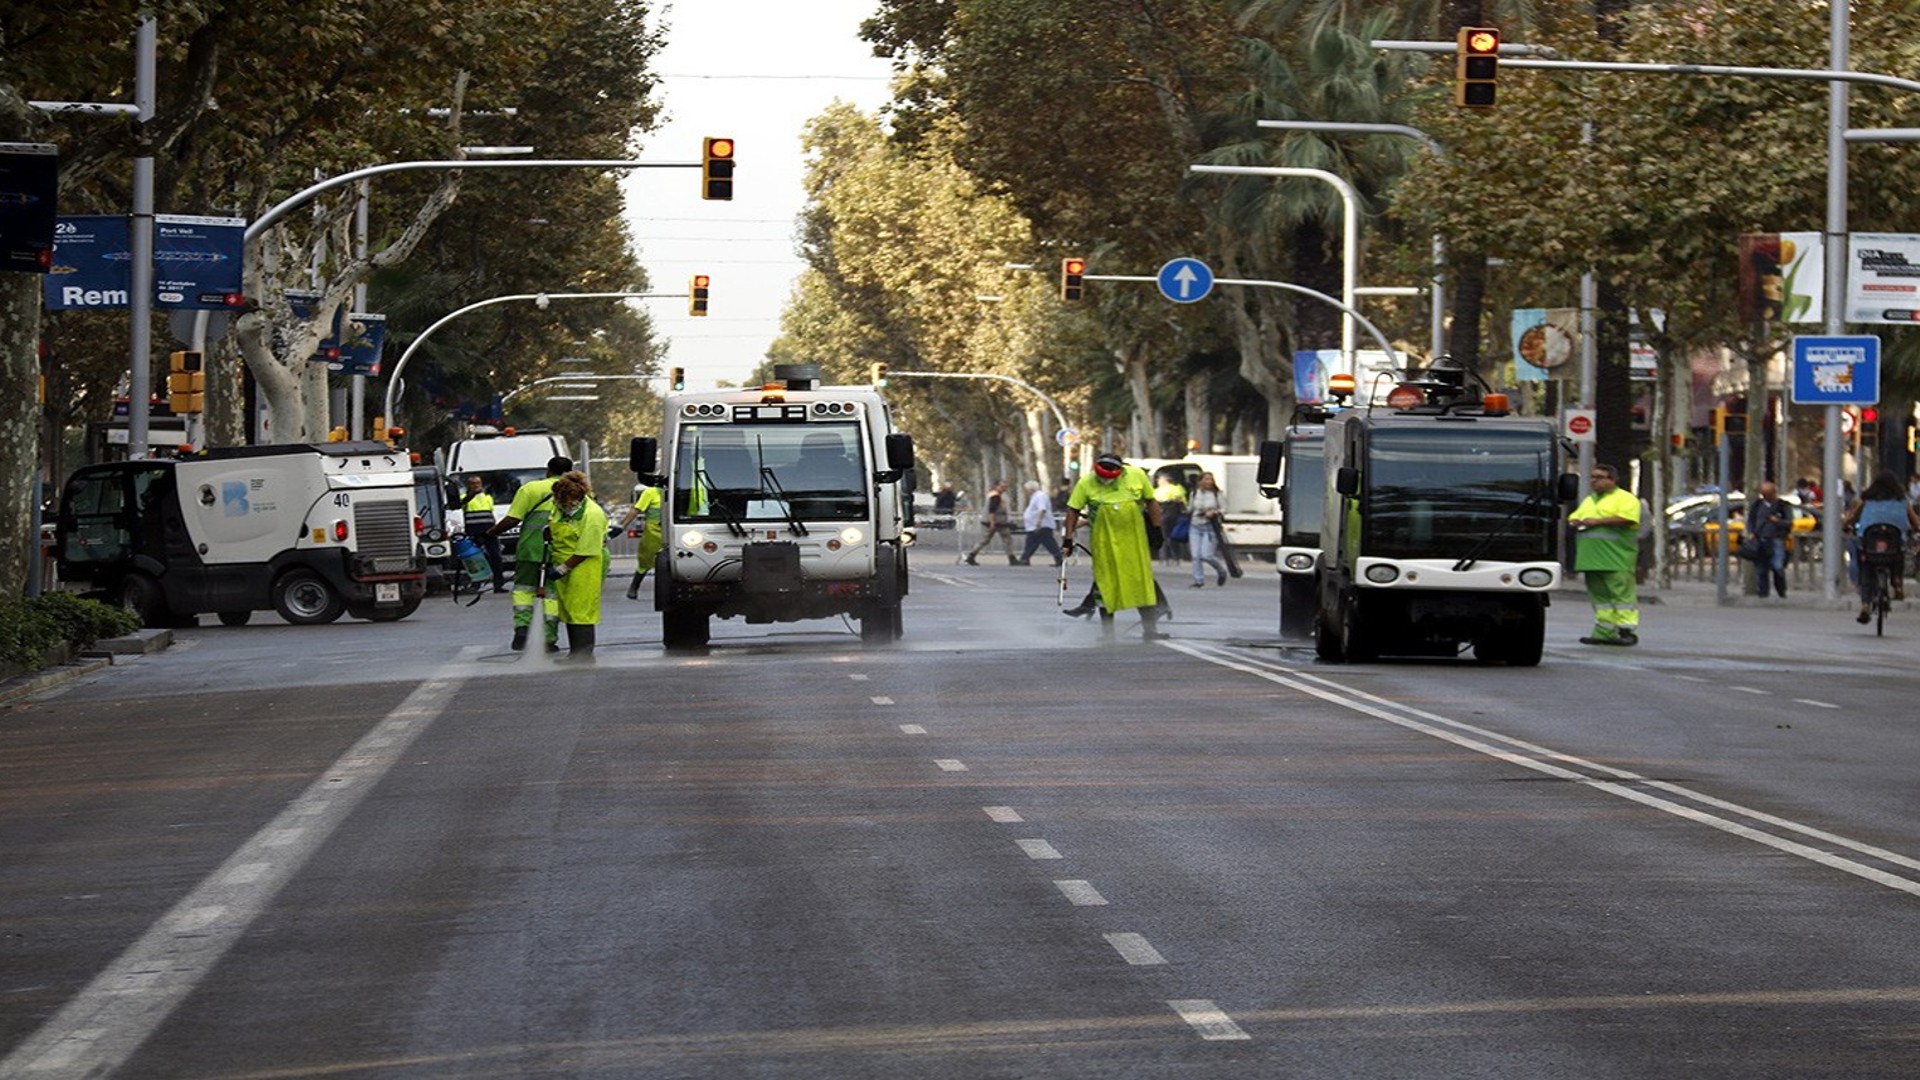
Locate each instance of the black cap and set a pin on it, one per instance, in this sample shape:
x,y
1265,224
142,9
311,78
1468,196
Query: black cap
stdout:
x,y
558,465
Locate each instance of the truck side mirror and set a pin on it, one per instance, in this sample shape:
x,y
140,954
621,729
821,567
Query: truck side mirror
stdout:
x,y
1566,487
1347,480
643,454
899,451
1269,473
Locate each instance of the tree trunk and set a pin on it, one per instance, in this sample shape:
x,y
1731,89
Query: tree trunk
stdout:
x,y
19,425
1145,430
1615,442
1466,292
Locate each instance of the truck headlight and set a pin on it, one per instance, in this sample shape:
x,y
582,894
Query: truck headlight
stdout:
x,y
851,536
692,538
1382,573
1299,561
1536,578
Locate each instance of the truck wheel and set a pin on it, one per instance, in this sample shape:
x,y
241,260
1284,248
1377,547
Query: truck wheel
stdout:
x,y
235,618
880,624
683,629
304,598
142,597
1355,641
1326,644
1519,645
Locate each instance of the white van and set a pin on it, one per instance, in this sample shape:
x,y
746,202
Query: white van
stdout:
x,y
1252,519
504,461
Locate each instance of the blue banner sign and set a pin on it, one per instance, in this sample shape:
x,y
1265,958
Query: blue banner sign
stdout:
x,y
29,181
92,264
196,263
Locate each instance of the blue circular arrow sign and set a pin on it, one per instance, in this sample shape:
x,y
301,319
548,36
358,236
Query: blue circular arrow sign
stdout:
x,y
1185,280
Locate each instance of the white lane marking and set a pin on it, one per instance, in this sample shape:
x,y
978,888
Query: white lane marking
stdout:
x,y
1691,678
1815,704
858,678
1752,690
1080,893
1135,949
1207,1020
1006,815
1039,849
950,765
912,729
1481,740
881,700
95,1033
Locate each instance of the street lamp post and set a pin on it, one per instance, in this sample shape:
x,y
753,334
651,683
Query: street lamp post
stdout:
x,y
1350,232
393,378
1348,309
583,377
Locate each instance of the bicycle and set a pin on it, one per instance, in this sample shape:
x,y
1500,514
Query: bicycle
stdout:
x,y
1882,551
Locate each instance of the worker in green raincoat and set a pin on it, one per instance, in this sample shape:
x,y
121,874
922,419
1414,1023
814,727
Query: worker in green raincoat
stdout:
x,y
1609,525
578,530
1118,498
646,511
532,505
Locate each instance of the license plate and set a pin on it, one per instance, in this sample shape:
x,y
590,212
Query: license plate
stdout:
x,y
386,592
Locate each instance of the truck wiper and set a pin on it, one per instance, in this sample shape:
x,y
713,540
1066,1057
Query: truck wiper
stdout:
x,y
1495,533
705,480
769,483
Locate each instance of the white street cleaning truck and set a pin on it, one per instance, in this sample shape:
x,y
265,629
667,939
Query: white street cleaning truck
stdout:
x,y
311,531
1441,527
779,503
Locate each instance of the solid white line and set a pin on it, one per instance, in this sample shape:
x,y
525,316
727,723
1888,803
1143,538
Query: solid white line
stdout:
x,y
1207,1019
1815,704
912,729
95,1033
950,765
1135,950
1081,893
1481,740
881,700
1006,815
1039,849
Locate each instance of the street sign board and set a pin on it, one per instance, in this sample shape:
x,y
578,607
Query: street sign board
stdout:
x,y
1066,437
1185,280
29,187
1578,425
1836,369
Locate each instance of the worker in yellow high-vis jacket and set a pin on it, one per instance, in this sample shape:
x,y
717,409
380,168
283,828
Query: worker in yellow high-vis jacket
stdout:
x,y
1608,523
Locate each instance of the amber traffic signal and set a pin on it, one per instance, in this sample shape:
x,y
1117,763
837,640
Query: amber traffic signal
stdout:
x,y
1476,66
697,295
1072,278
716,169
186,382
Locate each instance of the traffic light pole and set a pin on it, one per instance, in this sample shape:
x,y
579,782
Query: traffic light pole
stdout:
x,y
393,378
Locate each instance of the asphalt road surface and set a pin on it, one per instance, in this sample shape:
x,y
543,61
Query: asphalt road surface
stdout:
x,y
997,849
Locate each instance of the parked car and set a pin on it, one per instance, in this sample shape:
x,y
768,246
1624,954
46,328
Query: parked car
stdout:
x,y
1693,522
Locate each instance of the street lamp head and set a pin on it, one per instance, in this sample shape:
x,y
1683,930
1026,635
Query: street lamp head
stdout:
x,y
541,301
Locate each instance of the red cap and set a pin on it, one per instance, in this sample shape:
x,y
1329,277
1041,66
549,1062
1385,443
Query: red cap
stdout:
x,y
1107,467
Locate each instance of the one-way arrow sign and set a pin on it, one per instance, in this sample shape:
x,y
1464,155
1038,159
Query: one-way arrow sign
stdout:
x,y
1185,280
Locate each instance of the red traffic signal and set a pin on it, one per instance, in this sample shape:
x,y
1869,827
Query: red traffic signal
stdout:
x,y
716,169
1476,66
697,295
1072,278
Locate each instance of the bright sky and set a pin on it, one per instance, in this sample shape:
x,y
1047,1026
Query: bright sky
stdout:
x,y
757,71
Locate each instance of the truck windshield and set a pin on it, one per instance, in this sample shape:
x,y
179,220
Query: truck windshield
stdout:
x,y
1439,491
1306,500
818,468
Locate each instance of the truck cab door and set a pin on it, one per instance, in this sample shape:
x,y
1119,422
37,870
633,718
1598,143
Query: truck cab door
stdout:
x,y
94,524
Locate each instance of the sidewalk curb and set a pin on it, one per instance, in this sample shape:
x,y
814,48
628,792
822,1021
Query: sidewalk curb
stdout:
x,y
26,686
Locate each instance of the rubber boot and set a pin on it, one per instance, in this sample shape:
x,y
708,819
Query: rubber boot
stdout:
x,y
579,643
519,638
633,587
1106,626
1150,625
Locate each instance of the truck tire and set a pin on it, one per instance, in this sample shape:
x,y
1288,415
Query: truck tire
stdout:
x,y
1356,641
1519,644
304,598
1326,644
680,629
141,596
881,623
235,618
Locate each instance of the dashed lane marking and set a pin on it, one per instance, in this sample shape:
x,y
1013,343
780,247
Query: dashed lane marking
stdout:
x,y
1752,690
1207,1019
912,729
1135,950
881,700
1039,849
950,765
1005,815
1081,893
1815,704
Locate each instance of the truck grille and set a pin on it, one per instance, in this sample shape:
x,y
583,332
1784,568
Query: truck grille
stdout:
x,y
383,530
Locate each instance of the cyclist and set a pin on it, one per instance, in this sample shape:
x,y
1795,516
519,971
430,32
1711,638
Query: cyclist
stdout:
x,y
1883,503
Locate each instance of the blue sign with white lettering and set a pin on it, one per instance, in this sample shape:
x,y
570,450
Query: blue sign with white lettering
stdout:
x,y
1185,280
92,264
1836,370
196,262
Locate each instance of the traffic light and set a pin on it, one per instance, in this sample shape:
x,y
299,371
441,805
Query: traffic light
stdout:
x,y
1476,64
186,382
1072,278
877,372
716,170
1869,425
677,378
697,295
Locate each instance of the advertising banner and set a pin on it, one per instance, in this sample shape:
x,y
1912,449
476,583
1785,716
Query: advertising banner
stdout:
x,y
366,336
92,264
1312,366
196,261
1545,340
1883,278
1783,277
29,184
